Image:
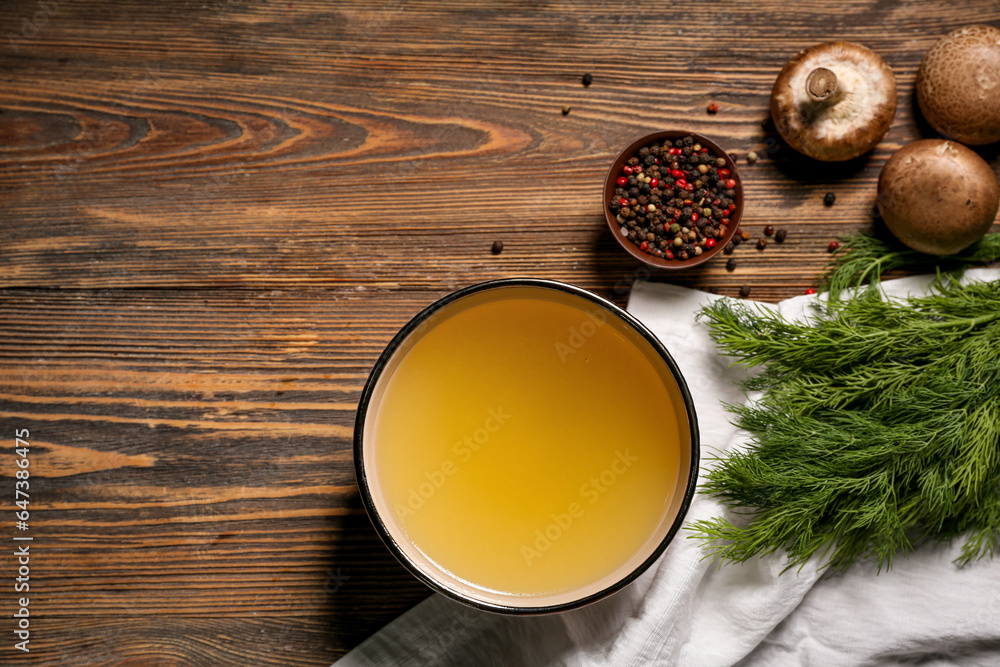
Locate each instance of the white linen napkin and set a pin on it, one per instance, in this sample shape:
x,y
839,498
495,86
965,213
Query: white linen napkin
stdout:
x,y
687,611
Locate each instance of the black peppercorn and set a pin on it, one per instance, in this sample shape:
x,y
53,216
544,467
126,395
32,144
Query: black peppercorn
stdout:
x,y
780,235
761,244
497,247
588,79
745,291
829,198
731,264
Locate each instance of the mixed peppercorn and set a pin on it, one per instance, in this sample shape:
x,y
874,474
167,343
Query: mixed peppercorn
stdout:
x,y
673,199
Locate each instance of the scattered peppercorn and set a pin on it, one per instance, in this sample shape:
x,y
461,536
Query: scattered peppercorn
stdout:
x,y
745,235
497,247
745,291
780,235
761,244
752,157
769,230
810,291
565,111
676,200
729,248
829,198
588,79
713,108
731,264
833,246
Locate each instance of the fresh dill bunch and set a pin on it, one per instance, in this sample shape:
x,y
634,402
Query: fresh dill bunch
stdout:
x,y
865,256
877,428
864,330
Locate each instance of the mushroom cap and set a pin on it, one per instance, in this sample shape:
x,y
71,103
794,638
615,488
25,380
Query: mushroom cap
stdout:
x,y
958,85
853,120
938,196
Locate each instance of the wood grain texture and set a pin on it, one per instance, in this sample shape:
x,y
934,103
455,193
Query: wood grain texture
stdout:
x,y
214,215
193,491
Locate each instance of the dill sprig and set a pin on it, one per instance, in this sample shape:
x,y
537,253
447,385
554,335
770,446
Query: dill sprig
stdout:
x,y
866,255
877,428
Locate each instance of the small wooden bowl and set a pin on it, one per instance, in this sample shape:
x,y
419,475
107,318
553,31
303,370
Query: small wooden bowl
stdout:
x,y
661,262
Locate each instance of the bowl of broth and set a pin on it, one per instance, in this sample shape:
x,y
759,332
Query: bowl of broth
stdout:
x,y
524,446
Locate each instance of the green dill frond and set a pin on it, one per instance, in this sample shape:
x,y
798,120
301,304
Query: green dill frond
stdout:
x,y
865,256
877,428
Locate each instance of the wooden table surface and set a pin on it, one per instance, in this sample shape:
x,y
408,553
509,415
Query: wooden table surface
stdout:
x,y
215,214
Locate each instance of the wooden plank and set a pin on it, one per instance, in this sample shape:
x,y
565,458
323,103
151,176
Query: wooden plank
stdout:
x,y
191,471
169,640
380,150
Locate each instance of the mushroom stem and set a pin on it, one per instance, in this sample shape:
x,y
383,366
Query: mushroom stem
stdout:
x,y
821,84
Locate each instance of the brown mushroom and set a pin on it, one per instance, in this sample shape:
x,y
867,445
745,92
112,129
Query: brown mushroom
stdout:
x,y
938,196
834,101
958,85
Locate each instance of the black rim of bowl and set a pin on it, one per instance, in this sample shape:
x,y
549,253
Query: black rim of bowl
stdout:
x,y
397,341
